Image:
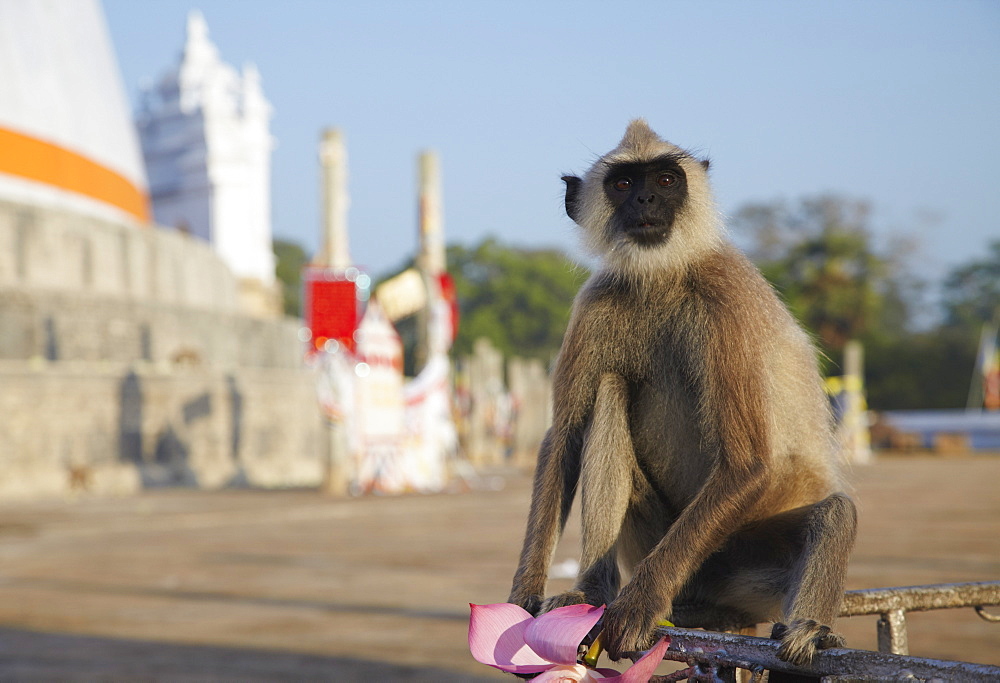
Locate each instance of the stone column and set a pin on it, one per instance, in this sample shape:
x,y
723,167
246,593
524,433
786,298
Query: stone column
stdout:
x,y
333,160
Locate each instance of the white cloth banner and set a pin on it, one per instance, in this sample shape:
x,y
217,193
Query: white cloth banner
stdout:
x,y
400,435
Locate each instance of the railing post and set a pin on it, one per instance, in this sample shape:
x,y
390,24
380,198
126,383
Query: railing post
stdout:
x,y
892,632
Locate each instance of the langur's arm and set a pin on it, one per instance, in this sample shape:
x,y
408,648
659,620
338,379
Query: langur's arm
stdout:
x,y
556,477
557,474
729,376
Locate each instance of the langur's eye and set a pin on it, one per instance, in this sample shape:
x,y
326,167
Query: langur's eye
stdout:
x,y
623,184
666,179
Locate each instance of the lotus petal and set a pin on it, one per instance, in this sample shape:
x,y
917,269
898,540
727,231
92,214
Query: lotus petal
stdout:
x,y
578,672
556,635
643,669
496,638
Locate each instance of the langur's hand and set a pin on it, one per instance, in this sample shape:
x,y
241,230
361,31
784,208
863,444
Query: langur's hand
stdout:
x,y
629,625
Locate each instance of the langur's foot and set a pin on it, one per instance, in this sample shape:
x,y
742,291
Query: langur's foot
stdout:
x,y
530,602
573,597
802,638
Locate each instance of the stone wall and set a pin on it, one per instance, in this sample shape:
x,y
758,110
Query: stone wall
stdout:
x,y
66,326
125,362
53,250
114,429
504,408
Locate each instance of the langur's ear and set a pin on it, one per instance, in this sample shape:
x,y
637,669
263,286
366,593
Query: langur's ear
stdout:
x,y
572,196
705,163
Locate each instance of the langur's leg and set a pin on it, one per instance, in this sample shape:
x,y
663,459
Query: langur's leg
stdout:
x,y
790,566
816,581
607,478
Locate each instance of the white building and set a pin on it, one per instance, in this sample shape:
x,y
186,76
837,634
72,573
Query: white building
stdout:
x,y
204,130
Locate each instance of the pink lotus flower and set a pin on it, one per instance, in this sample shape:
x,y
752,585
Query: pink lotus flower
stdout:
x,y
506,637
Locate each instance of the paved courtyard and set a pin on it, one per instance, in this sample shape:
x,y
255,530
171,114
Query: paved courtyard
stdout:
x,y
291,585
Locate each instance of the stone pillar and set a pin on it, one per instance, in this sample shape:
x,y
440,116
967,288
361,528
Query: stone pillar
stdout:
x,y
334,254
431,255
854,428
336,471
432,252
487,425
531,394
333,160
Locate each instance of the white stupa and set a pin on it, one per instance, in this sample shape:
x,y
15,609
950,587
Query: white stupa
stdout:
x,y
204,130
66,138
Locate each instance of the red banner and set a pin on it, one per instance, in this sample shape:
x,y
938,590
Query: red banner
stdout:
x,y
447,285
331,308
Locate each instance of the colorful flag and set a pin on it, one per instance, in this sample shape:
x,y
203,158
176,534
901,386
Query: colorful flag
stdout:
x,y
988,362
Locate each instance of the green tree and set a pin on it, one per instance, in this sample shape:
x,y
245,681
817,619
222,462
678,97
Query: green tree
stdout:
x,y
819,254
291,259
933,369
520,299
929,369
972,292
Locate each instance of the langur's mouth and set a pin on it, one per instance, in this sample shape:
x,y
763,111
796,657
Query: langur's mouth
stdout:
x,y
645,224
647,233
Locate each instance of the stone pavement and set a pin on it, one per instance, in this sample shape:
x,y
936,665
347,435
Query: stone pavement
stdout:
x,y
289,585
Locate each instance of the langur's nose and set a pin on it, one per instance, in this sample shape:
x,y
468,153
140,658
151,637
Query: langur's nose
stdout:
x,y
648,199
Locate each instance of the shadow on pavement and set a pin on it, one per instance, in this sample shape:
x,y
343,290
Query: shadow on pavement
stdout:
x,y
34,656
202,596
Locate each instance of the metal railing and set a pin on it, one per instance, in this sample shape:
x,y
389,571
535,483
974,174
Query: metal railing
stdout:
x,y
717,656
892,604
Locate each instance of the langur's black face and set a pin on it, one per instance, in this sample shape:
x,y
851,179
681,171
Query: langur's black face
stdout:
x,y
646,197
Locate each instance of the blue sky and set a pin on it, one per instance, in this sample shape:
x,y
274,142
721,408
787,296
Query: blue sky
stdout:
x,y
897,102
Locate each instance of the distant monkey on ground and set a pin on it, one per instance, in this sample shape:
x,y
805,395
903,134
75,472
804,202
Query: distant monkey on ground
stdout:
x,y
688,409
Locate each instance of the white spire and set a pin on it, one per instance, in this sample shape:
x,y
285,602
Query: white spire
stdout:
x,y
201,70
197,33
210,167
199,51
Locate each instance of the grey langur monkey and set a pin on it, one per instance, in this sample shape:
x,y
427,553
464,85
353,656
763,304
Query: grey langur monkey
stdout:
x,y
689,411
